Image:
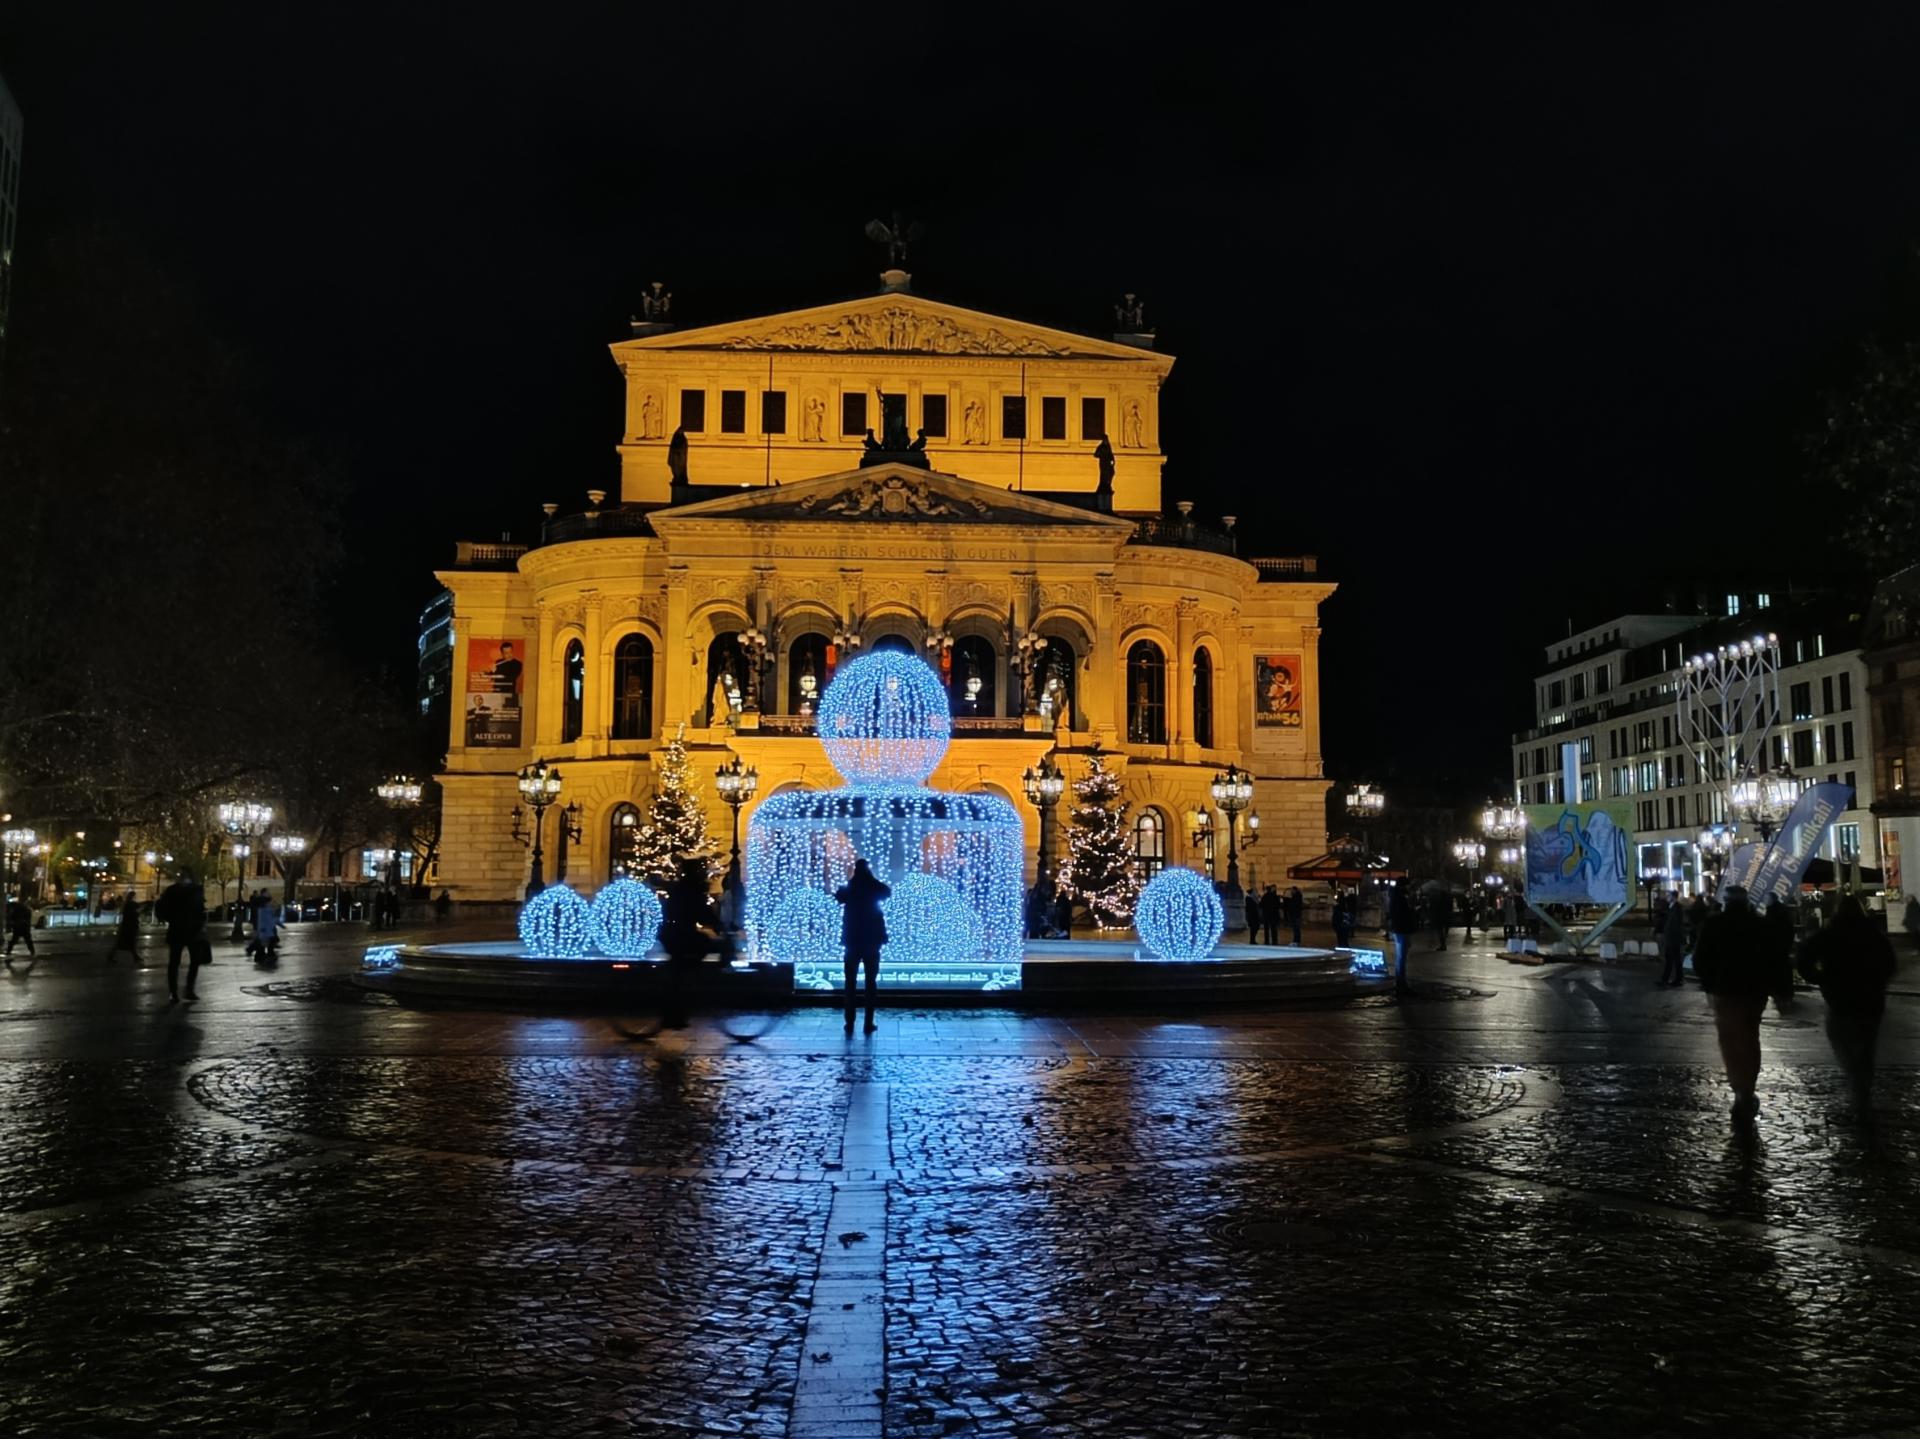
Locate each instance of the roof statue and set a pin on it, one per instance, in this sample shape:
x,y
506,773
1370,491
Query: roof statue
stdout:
x,y
657,304
1130,315
896,237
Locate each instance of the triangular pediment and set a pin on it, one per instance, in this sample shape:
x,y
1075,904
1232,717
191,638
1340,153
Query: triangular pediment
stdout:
x,y
889,494
896,323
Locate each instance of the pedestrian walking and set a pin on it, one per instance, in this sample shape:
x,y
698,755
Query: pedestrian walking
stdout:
x,y
1253,917
689,930
1741,963
863,930
1270,914
1401,924
1673,944
182,907
126,934
1910,916
1343,918
266,930
1294,907
1062,914
1509,915
1439,907
19,925
1851,959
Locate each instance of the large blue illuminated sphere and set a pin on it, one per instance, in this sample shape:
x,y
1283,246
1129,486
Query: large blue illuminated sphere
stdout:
x,y
556,924
884,720
804,928
1179,915
928,922
626,918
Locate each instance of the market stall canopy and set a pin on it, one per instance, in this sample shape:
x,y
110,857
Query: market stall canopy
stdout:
x,y
1346,861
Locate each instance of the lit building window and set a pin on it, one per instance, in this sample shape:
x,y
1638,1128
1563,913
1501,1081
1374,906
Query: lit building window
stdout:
x,y
633,688
1733,604
1149,842
1146,694
573,692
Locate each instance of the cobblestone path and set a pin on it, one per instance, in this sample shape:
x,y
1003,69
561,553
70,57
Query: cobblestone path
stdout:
x,y
1512,1205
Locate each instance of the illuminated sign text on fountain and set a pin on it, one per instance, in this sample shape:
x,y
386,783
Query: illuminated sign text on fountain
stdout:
x,y
953,861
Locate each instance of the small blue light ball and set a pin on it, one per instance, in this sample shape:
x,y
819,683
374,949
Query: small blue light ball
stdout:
x,y
928,922
885,720
804,928
1179,916
556,924
626,919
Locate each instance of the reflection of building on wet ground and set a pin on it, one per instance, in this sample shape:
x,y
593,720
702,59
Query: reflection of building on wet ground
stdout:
x,y
1064,615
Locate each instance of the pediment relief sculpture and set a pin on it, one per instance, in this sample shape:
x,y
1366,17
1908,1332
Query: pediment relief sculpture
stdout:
x,y
897,328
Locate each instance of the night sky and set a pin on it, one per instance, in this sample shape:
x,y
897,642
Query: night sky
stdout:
x,y
1501,318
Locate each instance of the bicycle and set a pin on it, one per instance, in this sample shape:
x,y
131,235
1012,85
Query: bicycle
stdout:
x,y
733,992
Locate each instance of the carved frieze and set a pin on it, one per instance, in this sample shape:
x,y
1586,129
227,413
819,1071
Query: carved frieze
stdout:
x,y
896,329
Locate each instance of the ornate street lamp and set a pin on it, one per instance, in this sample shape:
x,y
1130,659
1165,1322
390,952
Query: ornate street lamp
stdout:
x,y
400,793
15,846
1044,785
1469,852
1233,791
1716,847
540,787
736,784
286,848
245,820
1763,800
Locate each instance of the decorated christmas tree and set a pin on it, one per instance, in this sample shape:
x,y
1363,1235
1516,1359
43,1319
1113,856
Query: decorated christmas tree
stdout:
x,y
1099,871
676,827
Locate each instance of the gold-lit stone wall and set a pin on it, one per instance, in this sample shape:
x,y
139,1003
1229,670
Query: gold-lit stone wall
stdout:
x,y
890,552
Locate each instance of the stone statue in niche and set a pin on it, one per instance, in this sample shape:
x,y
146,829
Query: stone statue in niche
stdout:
x,y
677,456
815,422
1132,427
719,711
974,424
649,417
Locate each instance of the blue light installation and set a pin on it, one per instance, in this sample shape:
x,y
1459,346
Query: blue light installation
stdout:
x,y
1179,916
954,861
625,918
381,956
556,924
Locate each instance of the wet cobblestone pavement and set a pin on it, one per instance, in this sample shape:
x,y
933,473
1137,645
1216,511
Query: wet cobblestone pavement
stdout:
x,y
1511,1205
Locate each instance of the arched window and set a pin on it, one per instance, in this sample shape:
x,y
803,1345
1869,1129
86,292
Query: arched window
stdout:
x,y
806,673
573,692
1057,695
972,691
1149,842
633,688
1203,699
623,841
1146,694
726,672
894,644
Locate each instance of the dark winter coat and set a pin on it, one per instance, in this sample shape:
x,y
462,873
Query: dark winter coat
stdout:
x,y
863,928
182,907
1400,918
1739,953
1294,906
1673,933
1851,960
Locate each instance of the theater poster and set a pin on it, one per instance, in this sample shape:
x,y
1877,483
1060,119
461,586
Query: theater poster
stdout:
x,y
494,681
1276,691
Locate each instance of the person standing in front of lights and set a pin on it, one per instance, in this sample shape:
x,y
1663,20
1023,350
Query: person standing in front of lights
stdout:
x,y
1673,943
1401,924
863,930
1851,959
1741,963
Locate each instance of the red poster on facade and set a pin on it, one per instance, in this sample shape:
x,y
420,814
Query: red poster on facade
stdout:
x,y
1276,691
494,680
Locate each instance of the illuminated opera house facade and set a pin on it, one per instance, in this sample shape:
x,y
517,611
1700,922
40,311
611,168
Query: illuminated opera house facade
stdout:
x,y
774,516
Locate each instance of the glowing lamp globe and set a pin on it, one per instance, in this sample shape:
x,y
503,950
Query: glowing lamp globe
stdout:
x,y
804,928
626,919
884,720
928,922
1179,915
556,924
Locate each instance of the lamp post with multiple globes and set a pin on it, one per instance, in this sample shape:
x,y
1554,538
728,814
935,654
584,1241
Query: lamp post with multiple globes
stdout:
x,y
736,784
539,786
1044,784
1232,790
400,793
246,821
1505,826
1469,852
15,846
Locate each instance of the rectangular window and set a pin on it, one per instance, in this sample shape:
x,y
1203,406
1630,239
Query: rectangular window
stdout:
x,y
773,412
1556,694
1586,749
1846,739
1846,691
1762,600
336,863
1603,679
1053,417
1800,700
1847,779
1829,750
1898,774
853,413
1669,811
1013,417
1093,419
1666,730
933,416
1579,683
1613,744
1803,749
1826,694
1649,776
693,411
1893,721
1848,836
1520,764
893,410
1733,604
1586,788
733,412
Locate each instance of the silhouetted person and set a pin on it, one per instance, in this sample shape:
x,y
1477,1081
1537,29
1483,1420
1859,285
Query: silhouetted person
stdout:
x,y
1270,914
677,456
1740,963
863,930
1852,961
443,906
182,907
1294,908
1039,909
1063,914
1343,919
1673,944
1401,924
1253,917
1439,915
689,930
126,934
19,924
266,929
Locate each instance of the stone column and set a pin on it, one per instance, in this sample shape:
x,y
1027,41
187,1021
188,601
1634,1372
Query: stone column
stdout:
x,y
1100,685
457,686
681,658
593,699
544,723
1310,694
1180,673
